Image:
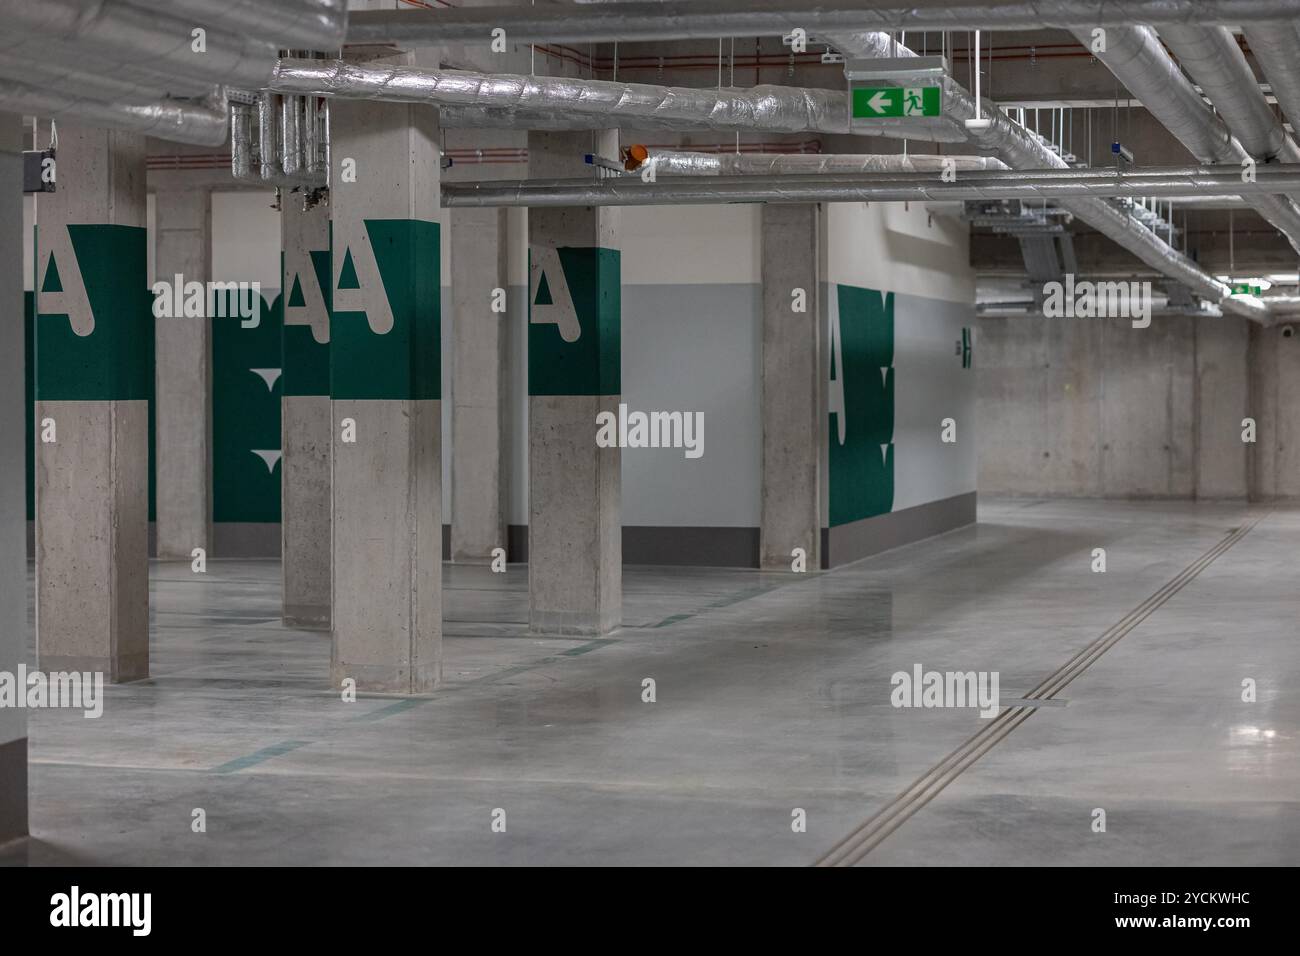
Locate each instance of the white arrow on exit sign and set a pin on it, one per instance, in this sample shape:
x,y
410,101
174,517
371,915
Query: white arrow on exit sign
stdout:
x,y
880,102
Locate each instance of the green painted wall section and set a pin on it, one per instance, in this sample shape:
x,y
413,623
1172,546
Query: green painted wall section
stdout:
x,y
591,365
862,469
246,417
115,361
406,361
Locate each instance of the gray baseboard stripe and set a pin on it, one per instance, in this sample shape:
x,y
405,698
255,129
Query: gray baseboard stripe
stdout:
x,y
700,547
246,539
861,539
517,543
13,790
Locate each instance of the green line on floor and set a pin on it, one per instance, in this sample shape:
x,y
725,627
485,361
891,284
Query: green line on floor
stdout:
x,y
586,648
736,598
396,707
259,756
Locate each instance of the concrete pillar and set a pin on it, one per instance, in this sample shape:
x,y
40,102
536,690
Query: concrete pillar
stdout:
x,y
792,404
575,535
305,414
386,387
479,480
183,373
13,504
94,346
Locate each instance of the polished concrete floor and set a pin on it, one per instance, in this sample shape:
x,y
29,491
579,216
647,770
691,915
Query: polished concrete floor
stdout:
x,y
773,693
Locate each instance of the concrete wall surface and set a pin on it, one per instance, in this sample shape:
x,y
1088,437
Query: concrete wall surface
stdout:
x,y
1097,408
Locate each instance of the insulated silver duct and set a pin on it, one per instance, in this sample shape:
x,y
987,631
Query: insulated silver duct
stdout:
x,y
1025,185
200,123
772,108
296,24
1023,150
241,144
1212,58
73,58
1274,45
270,145
686,20
488,117
291,150
114,88
126,34
1138,60
668,162
268,135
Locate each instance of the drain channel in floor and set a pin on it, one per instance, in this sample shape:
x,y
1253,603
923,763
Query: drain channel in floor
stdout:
x,y
872,832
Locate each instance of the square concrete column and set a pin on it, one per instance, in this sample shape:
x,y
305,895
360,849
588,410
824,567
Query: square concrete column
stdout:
x,y
305,412
13,478
479,367
183,373
386,387
575,535
792,404
94,347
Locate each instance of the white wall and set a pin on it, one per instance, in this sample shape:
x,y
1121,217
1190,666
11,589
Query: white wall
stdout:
x,y
691,341
923,258
246,239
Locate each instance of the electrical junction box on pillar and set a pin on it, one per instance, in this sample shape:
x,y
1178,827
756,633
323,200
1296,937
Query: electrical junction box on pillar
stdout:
x,y
895,88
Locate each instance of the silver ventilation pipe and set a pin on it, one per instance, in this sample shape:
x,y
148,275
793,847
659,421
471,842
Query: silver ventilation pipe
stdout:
x,y
1274,45
669,162
686,20
291,134
126,35
1212,58
769,108
491,117
83,81
1138,60
268,135
242,119
267,144
803,187
297,24
202,123
774,108
1023,150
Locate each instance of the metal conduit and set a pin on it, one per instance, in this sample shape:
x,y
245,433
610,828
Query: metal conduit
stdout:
x,y
686,20
1029,186
666,162
774,108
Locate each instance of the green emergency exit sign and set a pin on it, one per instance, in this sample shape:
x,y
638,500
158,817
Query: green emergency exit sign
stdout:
x,y
871,102
1246,288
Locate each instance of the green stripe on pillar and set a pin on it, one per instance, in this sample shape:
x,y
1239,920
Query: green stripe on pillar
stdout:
x,y
406,361
115,361
560,362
